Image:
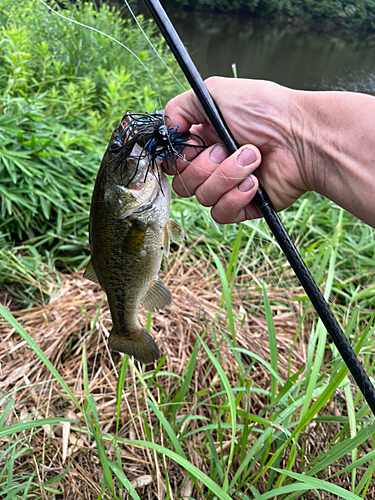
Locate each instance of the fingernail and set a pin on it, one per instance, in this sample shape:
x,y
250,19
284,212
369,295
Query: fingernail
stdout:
x,y
246,185
218,154
246,157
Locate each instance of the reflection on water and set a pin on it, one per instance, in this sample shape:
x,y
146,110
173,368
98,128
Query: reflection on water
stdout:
x,y
294,56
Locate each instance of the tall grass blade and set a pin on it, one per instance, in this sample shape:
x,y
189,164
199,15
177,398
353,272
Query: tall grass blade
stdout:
x,y
188,466
179,397
232,406
124,480
272,341
23,426
319,484
120,387
227,298
352,424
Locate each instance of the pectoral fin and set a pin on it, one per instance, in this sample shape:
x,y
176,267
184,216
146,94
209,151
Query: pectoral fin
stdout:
x,y
157,297
175,231
172,231
89,274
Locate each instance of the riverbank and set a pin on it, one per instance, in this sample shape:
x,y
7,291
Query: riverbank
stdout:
x,y
350,15
290,53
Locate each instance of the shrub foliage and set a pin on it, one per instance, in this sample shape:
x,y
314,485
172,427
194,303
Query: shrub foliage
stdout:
x,y
63,88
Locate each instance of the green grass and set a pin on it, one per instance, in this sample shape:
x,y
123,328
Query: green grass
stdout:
x,y
257,440
63,89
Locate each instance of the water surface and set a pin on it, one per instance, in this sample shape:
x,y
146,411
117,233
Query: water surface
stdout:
x,y
296,56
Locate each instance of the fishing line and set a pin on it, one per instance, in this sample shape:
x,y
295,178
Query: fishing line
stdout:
x,y
312,339
151,45
111,38
264,204
150,75
214,174
251,218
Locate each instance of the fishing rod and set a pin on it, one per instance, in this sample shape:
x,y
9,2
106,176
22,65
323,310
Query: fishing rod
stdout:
x,y
264,205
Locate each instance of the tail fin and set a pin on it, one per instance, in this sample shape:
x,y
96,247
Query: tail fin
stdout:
x,y
139,344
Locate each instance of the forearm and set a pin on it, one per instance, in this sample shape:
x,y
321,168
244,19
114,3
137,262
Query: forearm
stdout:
x,y
337,144
308,141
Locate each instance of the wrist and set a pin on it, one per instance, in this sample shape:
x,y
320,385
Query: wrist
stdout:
x,y
305,136
338,148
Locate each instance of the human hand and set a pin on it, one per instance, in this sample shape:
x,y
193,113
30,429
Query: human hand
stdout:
x,y
263,118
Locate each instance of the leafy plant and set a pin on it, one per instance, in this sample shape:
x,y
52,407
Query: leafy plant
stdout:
x,y
64,88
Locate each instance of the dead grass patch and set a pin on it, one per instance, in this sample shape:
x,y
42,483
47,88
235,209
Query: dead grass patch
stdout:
x,y
61,328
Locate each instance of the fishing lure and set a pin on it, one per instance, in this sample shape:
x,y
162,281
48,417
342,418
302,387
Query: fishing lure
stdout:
x,y
158,140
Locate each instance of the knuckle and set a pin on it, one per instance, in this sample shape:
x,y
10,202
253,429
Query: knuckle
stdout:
x,y
199,175
212,81
180,189
200,171
226,209
227,180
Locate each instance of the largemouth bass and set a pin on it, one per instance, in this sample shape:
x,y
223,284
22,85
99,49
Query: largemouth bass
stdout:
x,y
130,230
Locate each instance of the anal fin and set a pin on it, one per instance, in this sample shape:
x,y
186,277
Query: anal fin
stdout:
x,y
157,297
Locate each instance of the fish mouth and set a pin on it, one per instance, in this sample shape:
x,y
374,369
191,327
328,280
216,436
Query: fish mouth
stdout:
x,y
139,197
124,201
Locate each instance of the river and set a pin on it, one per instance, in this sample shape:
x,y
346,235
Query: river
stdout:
x,y
296,56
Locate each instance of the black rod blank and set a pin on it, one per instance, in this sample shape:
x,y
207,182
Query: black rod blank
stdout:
x,y
264,205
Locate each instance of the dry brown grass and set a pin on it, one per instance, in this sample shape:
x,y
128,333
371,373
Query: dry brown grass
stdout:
x,y
63,326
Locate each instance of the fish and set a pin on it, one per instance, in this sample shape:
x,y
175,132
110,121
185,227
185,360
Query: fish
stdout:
x,y
130,230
